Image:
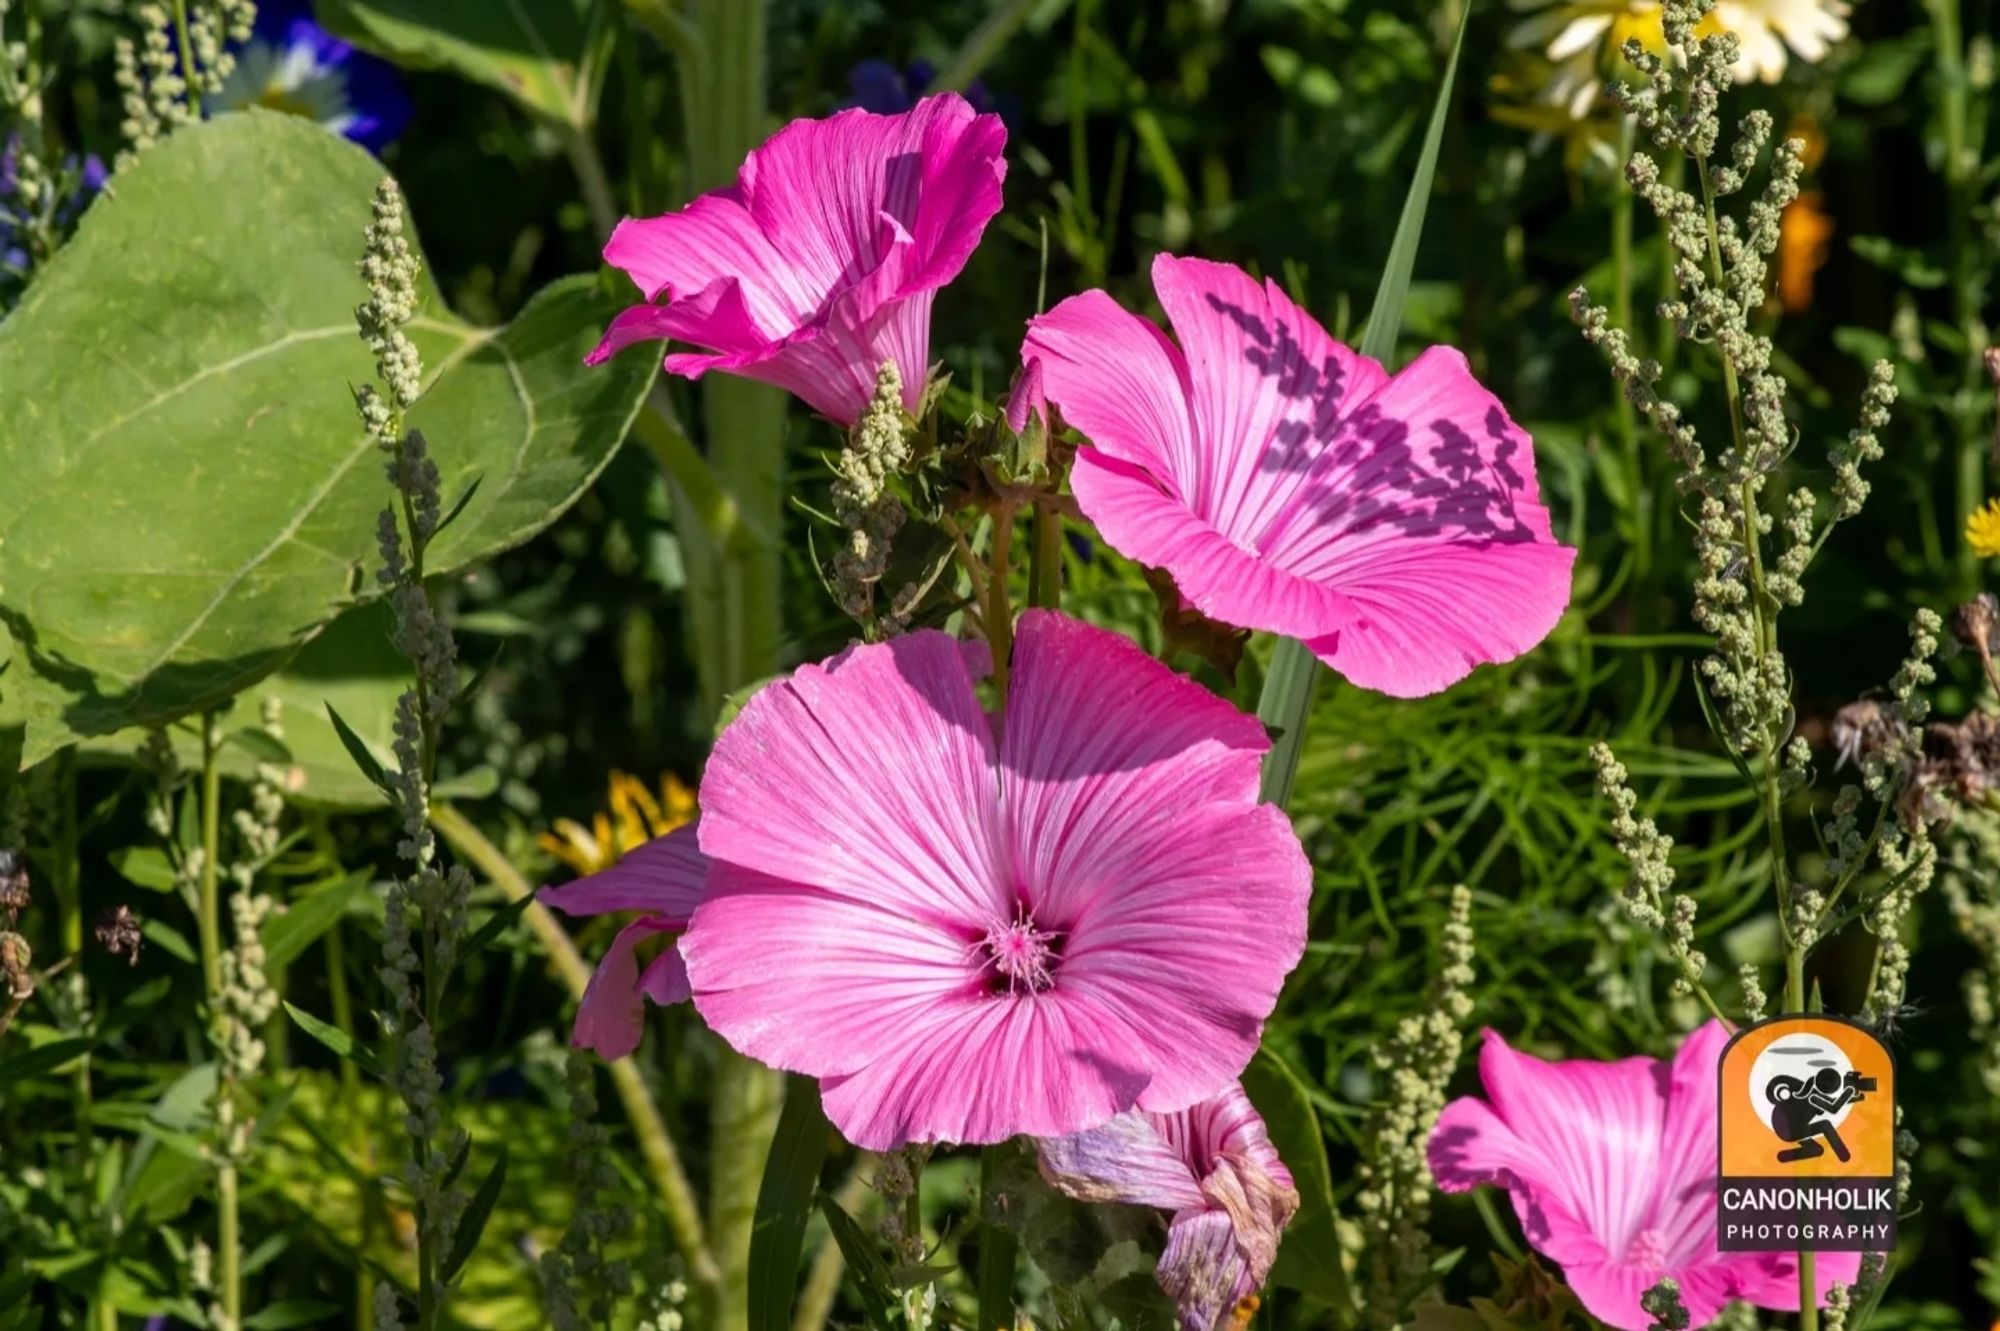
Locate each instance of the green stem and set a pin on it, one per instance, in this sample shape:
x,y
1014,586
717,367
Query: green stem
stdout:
x,y
998,1251
822,1283
598,195
188,71
229,1248
1045,559
656,1144
1637,471
999,606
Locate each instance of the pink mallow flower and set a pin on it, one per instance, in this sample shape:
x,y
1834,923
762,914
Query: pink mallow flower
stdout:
x,y
1214,1167
821,261
1288,484
663,878
972,927
1612,1170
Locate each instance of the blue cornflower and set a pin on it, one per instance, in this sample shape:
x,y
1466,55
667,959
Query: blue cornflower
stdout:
x,y
881,87
294,65
76,184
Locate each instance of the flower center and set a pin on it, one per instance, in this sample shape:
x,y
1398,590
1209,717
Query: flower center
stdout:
x,y
1648,1250
1022,957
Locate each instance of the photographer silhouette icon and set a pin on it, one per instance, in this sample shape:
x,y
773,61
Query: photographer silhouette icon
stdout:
x,y
1803,1109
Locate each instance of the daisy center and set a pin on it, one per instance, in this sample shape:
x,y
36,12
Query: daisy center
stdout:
x,y
1648,1250
1022,957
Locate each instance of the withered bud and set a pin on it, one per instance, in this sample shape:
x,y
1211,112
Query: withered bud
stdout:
x,y
1859,729
1993,365
118,931
1973,624
15,962
13,884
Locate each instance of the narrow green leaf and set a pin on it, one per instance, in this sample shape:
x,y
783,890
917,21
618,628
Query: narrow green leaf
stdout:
x,y
371,767
261,745
864,1263
1309,1258
42,1058
784,1202
998,1249
495,925
457,508
473,1223
309,916
288,1313
339,1042
1288,689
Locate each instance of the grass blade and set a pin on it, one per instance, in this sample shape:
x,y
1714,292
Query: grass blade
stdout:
x,y
1288,688
784,1204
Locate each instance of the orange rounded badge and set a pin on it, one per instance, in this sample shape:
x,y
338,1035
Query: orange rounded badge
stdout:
x,y
1807,1138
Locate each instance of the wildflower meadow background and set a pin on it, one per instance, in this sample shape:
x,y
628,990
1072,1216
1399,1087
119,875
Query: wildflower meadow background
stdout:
x,y
760,665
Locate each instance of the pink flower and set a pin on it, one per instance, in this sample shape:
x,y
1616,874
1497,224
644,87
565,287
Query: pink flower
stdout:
x,y
821,261
973,927
1214,1167
1288,484
1612,1168
664,879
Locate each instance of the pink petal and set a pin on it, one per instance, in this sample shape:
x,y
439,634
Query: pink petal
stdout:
x,y
664,876
832,242
1596,1126
665,981
1119,380
870,777
1129,793
1287,484
987,1068
1026,400
1470,1145
1125,1160
1267,387
1684,1203
610,1017
818,982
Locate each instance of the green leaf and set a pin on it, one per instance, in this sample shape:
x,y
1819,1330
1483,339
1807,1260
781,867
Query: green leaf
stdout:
x,y
184,1106
784,1202
308,916
495,925
189,493
864,1263
167,938
339,1042
473,1223
351,668
144,866
365,762
43,1058
539,52
1288,688
1309,1258
288,1313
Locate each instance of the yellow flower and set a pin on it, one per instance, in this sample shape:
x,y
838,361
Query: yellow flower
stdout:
x,y
1582,39
635,816
1982,530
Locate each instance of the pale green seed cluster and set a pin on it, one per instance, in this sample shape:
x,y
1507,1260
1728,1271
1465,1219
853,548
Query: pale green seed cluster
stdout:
x,y
34,188
1975,911
165,72
431,899
1721,271
581,1285
1648,893
1395,1196
1751,985
878,447
1839,1299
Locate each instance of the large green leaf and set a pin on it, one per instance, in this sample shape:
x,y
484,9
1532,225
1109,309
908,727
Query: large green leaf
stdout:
x,y
351,666
189,496
542,53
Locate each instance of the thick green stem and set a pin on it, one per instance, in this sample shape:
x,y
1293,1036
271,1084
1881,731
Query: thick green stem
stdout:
x,y
229,1246
1045,560
999,605
998,1250
656,1144
743,1109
